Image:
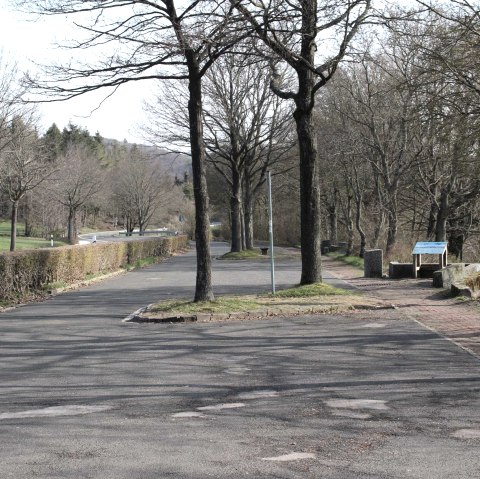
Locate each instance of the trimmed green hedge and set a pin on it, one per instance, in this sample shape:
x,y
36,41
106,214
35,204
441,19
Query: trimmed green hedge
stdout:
x,y
25,272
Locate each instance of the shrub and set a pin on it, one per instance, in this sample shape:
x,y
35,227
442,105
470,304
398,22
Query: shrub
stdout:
x,y
473,282
28,271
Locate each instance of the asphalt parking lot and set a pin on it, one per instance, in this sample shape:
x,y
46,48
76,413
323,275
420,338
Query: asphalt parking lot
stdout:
x,y
362,395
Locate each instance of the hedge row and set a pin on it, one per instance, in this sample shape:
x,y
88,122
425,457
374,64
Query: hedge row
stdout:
x,y
25,272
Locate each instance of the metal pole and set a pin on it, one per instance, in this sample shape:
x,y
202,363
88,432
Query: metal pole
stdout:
x,y
270,229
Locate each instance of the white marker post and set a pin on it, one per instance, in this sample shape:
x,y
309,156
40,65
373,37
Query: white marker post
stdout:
x,y
51,241
270,229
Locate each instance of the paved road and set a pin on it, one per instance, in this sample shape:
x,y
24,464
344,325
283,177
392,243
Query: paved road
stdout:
x,y
83,395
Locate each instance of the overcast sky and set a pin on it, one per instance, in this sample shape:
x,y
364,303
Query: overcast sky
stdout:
x,y
27,42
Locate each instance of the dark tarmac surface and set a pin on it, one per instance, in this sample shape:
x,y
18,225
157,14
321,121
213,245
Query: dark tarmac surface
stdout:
x,y
363,395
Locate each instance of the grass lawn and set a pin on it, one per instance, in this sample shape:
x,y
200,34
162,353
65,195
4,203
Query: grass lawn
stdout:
x,y
26,243
22,241
351,260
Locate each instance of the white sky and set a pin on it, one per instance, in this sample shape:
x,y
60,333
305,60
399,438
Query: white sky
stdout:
x,y
27,42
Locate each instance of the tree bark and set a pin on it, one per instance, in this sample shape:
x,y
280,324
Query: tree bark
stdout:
x,y
309,184
71,231
203,288
358,224
235,209
248,213
332,221
442,215
349,225
392,231
27,215
13,230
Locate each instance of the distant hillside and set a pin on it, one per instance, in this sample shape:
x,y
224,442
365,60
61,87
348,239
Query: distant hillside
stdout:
x,y
176,164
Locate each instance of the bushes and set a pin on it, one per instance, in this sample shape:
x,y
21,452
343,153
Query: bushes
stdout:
x,y
25,272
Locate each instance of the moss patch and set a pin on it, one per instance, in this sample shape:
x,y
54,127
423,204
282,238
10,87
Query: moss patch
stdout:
x,y
317,298
220,305
311,290
247,254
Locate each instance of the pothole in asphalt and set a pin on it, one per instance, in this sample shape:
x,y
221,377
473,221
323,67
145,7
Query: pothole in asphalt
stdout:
x,y
467,434
351,414
53,411
375,404
264,393
293,456
187,414
218,407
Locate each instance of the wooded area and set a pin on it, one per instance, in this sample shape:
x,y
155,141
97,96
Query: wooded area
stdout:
x,y
367,117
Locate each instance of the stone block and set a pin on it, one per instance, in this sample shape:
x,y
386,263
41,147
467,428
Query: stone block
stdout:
x,y
373,263
437,279
453,273
325,246
472,269
400,270
460,289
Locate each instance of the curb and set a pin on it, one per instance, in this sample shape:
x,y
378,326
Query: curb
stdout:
x,y
165,318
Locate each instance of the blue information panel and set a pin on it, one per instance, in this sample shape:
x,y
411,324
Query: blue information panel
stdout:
x,y
428,247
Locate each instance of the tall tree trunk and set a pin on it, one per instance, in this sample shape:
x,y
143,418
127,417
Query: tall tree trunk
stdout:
x,y
72,229
27,216
332,221
242,222
358,224
129,225
309,184
432,220
203,287
13,229
392,231
442,216
235,209
248,216
349,225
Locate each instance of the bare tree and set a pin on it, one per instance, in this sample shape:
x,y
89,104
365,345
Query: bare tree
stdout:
x,y
292,31
149,40
23,168
246,132
11,105
140,188
78,179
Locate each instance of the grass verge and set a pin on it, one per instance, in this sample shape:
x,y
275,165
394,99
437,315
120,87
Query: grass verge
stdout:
x,y
311,290
317,298
219,305
351,260
246,254
23,242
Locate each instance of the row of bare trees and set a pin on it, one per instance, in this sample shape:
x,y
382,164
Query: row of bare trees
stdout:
x,y
393,137
55,179
173,40
403,124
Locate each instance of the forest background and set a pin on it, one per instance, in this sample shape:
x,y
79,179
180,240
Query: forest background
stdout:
x,y
397,141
